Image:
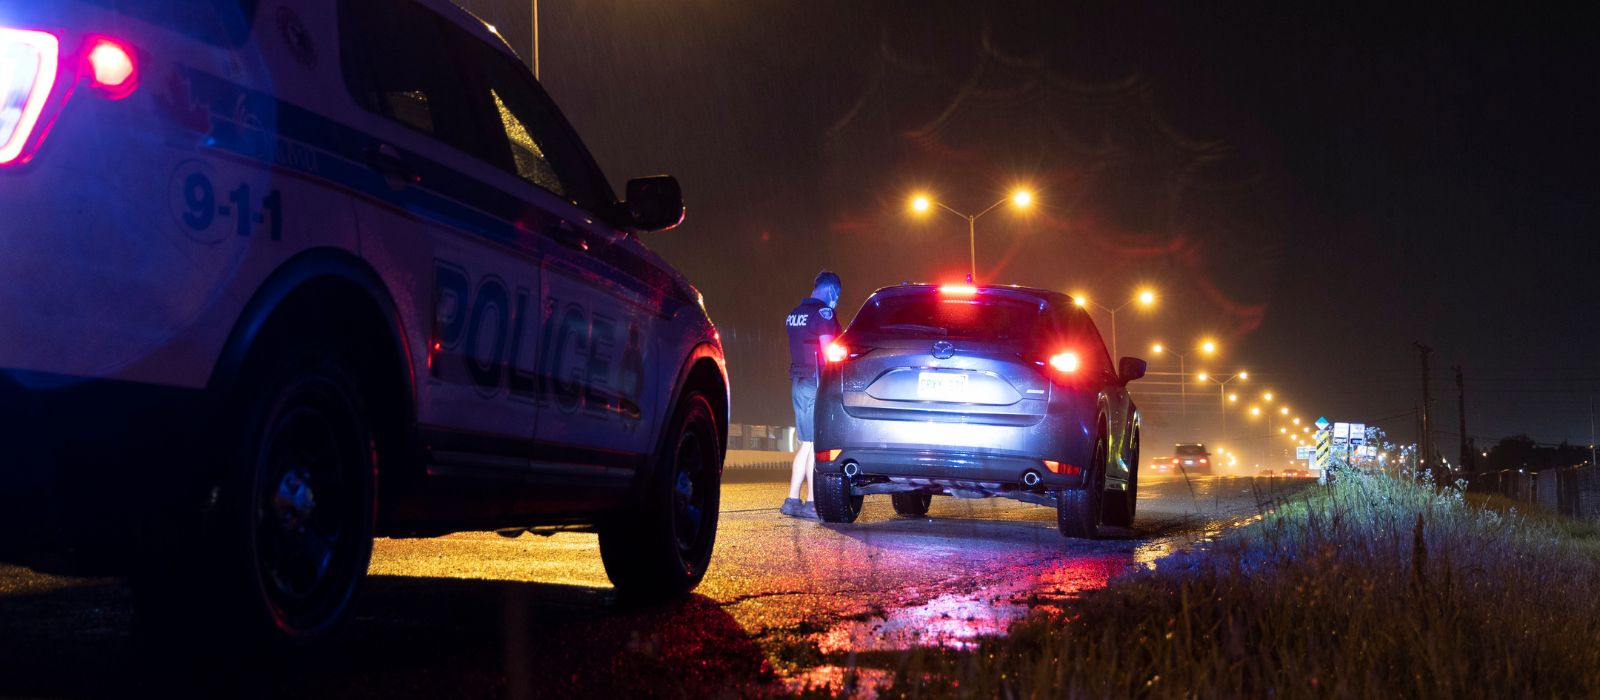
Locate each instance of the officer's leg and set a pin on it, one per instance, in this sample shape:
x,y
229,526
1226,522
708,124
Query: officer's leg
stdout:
x,y
803,462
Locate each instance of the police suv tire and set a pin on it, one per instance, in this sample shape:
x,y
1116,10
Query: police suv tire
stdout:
x,y
1120,505
911,505
661,550
284,547
834,499
1078,510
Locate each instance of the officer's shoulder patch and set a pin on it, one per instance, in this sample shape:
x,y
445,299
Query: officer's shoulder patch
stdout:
x,y
826,313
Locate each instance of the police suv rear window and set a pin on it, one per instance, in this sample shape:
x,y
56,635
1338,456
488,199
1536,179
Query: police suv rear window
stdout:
x,y
223,23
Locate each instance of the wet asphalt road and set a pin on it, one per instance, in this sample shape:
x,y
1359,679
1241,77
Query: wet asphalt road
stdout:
x,y
785,602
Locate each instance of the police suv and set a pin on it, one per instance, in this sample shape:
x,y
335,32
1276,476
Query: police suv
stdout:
x,y
278,276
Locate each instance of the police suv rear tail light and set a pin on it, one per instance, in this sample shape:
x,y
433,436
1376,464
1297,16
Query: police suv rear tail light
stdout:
x,y
28,64
111,67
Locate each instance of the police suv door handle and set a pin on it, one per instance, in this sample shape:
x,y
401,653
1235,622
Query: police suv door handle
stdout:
x,y
387,161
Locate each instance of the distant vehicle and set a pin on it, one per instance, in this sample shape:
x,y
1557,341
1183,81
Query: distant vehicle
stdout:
x,y
1291,472
1267,472
976,392
283,276
1191,458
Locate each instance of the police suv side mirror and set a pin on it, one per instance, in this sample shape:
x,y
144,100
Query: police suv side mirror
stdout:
x,y
654,203
1130,368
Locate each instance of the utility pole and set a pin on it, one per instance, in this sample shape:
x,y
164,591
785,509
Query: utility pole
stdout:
x,y
535,39
1461,408
1592,462
1425,440
1416,452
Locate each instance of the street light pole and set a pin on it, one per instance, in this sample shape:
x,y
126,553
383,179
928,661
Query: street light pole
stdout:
x,y
1222,395
535,39
972,248
922,203
1207,347
1144,297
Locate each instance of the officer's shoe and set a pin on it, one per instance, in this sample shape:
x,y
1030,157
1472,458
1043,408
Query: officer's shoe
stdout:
x,y
792,507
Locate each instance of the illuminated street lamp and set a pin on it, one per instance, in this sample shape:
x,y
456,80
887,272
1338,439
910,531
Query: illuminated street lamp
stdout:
x,y
1222,394
1144,297
922,204
1207,347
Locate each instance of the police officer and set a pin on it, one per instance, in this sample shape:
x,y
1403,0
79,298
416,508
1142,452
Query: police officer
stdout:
x,y
811,327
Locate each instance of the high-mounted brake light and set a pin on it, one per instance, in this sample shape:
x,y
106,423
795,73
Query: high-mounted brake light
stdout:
x,y
959,289
112,68
835,352
28,64
1065,362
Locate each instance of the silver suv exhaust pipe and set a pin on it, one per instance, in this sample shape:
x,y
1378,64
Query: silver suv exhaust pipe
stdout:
x,y
1030,478
851,470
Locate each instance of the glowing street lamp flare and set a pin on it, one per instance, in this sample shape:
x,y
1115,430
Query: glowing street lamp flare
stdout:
x,y
1233,397
1255,411
1157,349
1147,297
920,204
1244,375
1284,410
1081,300
1022,198
1208,347
1267,396
1202,376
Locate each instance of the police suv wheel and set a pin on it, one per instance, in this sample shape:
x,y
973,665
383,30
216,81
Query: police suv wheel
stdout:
x,y
1078,510
661,550
911,505
286,543
835,502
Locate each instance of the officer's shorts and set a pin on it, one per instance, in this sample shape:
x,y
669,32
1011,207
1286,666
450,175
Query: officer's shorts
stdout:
x,y
803,393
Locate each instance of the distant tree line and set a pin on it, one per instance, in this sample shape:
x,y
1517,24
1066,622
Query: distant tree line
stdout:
x,y
1521,452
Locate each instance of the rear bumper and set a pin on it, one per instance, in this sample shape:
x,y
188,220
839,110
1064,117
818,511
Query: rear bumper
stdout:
x,y
90,466
983,471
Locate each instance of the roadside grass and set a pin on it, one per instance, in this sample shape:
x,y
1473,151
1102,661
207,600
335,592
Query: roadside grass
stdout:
x,y
1373,587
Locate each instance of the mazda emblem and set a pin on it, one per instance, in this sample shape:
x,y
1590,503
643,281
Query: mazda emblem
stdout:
x,y
943,350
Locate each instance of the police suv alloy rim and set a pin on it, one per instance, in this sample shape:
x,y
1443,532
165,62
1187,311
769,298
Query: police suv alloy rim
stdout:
x,y
694,485
308,505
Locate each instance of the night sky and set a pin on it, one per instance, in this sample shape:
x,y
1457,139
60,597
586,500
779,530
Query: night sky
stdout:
x,y
1318,189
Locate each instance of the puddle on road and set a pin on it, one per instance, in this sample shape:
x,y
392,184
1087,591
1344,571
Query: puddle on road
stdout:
x,y
957,620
